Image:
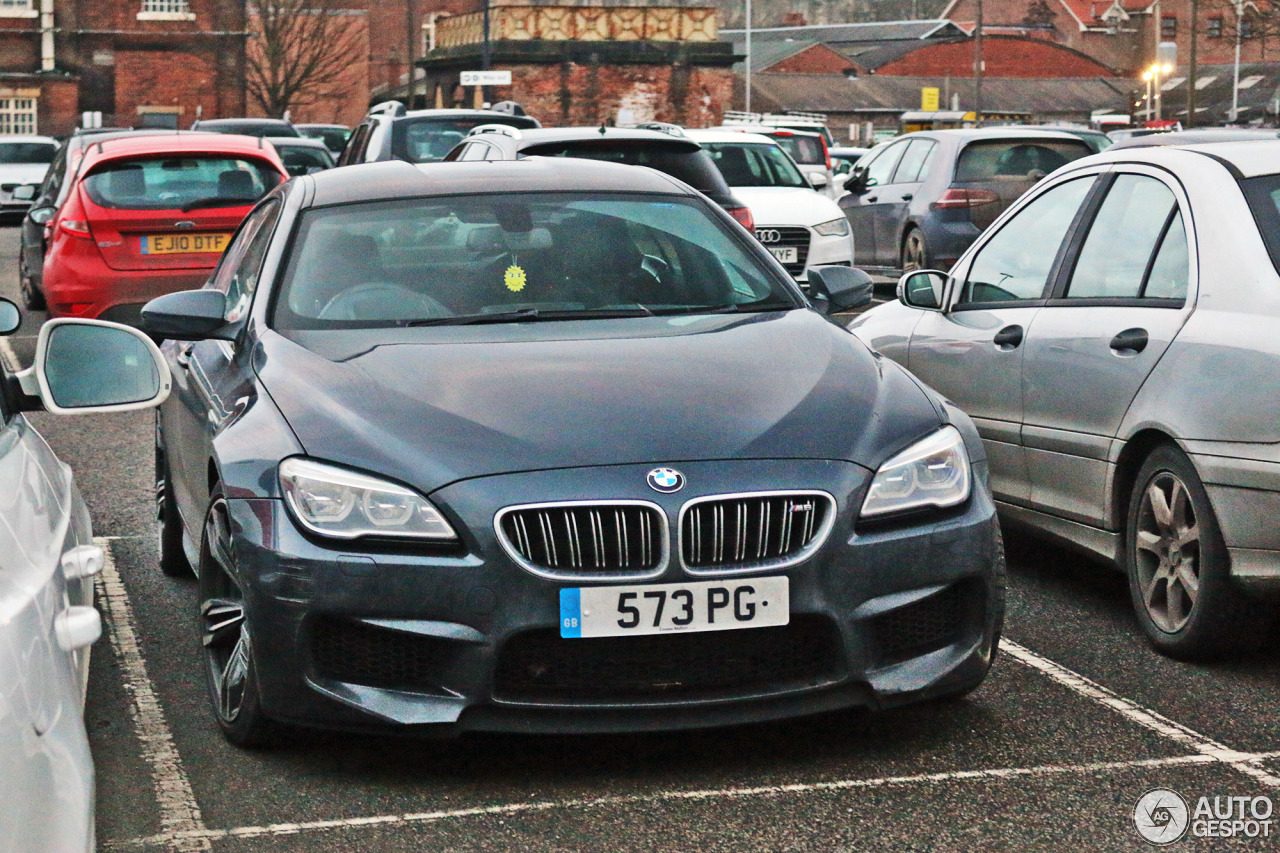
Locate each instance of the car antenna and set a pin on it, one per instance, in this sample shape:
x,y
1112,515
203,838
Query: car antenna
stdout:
x,y
603,128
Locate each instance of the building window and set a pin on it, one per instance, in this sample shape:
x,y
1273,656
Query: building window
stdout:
x,y
1168,28
1246,27
169,7
1215,28
18,115
17,9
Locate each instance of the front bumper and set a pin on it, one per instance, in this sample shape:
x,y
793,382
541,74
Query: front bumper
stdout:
x,y
362,639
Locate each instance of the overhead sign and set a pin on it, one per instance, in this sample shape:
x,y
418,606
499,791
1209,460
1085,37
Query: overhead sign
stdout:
x,y
486,78
929,99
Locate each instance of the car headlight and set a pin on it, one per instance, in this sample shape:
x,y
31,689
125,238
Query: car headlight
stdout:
x,y
342,504
933,472
834,228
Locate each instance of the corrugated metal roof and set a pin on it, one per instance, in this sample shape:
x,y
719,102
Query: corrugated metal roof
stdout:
x,y
1055,96
1213,94
769,53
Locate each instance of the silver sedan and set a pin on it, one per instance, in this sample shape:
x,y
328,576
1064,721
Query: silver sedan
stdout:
x,y
47,563
1116,338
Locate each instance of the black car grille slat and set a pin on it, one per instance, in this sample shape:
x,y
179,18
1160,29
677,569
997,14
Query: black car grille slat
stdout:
x,y
586,538
542,666
792,236
749,529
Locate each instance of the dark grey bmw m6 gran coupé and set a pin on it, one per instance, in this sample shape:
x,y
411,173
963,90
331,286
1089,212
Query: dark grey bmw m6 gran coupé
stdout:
x,y
554,446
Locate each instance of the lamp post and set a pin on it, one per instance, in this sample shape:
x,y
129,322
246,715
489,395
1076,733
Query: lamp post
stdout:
x,y
1147,75
1152,75
1235,76
747,93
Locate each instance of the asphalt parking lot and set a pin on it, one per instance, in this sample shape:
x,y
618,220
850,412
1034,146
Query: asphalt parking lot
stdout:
x,y
1077,721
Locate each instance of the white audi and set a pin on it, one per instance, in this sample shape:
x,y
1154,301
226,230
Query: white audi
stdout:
x,y
800,226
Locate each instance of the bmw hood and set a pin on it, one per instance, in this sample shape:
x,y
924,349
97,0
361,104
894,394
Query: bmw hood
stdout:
x,y
432,406
787,206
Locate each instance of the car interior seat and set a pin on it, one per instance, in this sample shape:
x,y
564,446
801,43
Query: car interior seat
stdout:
x,y
235,183
733,165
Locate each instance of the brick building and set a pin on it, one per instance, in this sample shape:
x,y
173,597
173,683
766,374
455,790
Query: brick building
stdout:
x,y
136,61
607,61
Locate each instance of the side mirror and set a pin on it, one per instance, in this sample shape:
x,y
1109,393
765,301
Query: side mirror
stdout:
x,y
922,288
41,215
10,317
26,192
857,182
834,288
188,315
818,180
95,366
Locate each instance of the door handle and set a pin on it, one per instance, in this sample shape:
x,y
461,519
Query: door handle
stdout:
x,y
1133,340
908,196
184,355
1008,338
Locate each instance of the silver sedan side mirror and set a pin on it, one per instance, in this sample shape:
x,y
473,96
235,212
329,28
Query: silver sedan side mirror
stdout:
x,y
93,365
922,288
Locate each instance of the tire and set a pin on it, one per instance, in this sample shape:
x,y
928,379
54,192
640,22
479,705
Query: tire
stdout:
x,y
231,674
915,254
1178,568
32,296
173,559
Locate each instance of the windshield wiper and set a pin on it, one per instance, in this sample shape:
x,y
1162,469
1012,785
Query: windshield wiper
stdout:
x,y
533,314
217,201
729,308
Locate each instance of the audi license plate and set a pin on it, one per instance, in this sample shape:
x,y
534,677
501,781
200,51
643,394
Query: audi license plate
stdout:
x,y
784,254
172,244
666,608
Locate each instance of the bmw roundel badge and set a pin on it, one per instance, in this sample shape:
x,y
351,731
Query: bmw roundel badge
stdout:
x,y
666,480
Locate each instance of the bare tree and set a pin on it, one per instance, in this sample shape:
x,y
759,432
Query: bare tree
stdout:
x,y
298,51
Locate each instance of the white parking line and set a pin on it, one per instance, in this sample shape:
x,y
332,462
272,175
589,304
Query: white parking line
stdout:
x,y
9,357
182,826
668,796
1243,762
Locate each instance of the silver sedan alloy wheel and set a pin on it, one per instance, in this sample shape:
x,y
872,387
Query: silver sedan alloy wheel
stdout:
x,y
1168,552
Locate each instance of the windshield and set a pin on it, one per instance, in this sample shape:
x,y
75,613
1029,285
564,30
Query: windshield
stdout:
x,y
515,258
1016,159
427,140
27,152
171,183
754,165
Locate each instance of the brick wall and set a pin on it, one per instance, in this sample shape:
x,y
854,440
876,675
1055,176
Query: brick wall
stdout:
x,y
157,78
584,94
58,112
1005,56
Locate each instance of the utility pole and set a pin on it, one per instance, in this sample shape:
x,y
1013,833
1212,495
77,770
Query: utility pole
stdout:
x,y
978,67
1235,76
747,95
411,85
1191,66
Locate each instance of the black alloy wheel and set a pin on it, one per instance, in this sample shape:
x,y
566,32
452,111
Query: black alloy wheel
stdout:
x,y
228,646
915,255
1178,567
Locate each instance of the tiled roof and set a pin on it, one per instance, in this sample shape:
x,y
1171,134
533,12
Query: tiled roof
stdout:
x,y
834,33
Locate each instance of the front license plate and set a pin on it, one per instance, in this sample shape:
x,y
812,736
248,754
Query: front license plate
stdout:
x,y
173,244
784,254
618,611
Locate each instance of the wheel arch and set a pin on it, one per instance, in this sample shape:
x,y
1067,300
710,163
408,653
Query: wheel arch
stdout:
x,y
1136,450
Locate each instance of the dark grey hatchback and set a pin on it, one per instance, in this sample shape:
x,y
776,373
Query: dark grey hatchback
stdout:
x,y
554,446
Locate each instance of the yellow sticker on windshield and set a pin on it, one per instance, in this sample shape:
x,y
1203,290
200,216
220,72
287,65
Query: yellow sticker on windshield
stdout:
x,y
514,278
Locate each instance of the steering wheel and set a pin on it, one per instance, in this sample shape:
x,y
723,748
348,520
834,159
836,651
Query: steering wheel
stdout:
x,y
382,301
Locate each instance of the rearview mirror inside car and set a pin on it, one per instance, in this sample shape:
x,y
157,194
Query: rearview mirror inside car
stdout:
x,y
93,365
836,288
188,315
922,288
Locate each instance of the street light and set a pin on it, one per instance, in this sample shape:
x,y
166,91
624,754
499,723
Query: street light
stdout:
x,y
1235,77
1152,75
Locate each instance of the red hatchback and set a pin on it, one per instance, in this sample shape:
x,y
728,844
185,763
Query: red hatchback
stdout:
x,y
150,215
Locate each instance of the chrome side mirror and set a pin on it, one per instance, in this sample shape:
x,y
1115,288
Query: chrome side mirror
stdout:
x,y
922,289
